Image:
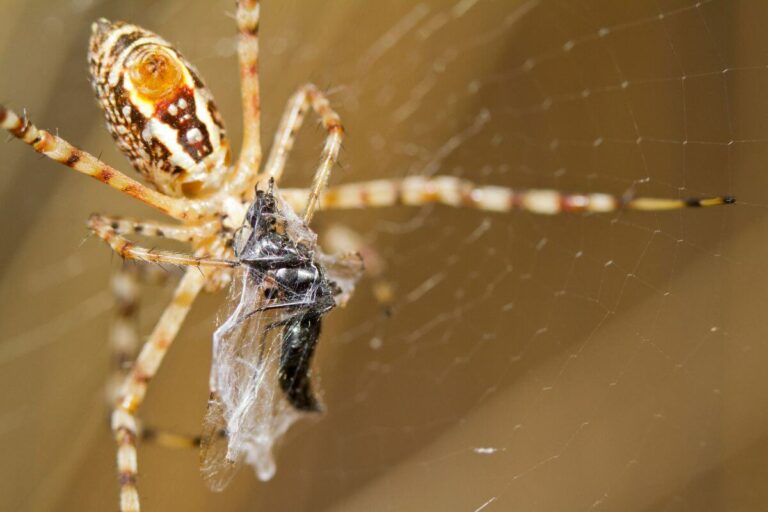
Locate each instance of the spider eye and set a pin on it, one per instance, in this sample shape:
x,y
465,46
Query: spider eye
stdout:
x,y
155,73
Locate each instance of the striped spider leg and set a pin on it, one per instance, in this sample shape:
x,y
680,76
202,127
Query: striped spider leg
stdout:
x,y
60,150
305,97
124,335
460,193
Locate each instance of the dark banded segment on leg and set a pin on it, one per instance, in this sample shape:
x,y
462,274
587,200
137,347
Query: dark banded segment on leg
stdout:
x,y
305,97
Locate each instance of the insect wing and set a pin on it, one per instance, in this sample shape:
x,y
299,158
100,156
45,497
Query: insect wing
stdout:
x,y
344,271
247,413
215,465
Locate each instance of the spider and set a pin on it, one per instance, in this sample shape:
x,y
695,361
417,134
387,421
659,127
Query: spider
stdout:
x,y
164,119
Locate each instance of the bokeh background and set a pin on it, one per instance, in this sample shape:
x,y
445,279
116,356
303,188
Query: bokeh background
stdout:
x,y
608,362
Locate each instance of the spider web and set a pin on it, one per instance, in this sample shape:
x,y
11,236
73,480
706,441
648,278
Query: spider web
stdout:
x,y
609,362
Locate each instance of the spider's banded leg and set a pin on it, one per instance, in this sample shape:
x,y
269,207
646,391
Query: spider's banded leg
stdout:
x,y
181,233
248,54
124,332
168,439
62,151
349,249
451,191
135,386
106,230
308,95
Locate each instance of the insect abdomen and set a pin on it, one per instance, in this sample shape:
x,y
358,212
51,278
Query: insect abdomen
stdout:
x,y
300,338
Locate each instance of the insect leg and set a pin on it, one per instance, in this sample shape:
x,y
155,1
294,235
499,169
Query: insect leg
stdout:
x,y
456,192
135,385
62,151
277,306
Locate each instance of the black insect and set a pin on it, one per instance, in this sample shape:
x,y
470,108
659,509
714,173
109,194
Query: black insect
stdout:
x,y
282,287
294,281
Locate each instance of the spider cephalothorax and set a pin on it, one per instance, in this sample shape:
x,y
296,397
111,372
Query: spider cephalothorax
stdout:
x,y
158,109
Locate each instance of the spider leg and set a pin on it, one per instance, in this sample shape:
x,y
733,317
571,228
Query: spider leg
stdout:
x,y
133,390
456,192
305,97
248,54
351,254
168,439
308,95
110,232
62,151
124,341
124,334
174,440
181,233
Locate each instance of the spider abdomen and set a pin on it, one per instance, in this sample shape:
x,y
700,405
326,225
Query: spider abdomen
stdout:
x,y
158,110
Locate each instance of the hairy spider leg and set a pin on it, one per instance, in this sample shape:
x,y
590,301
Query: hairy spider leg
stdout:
x,y
81,161
124,424
248,56
124,332
124,337
110,232
456,192
178,232
308,95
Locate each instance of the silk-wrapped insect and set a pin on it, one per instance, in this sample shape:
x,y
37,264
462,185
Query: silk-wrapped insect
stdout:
x,y
260,372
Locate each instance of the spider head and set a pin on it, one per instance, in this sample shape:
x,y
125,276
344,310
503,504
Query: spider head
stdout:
x,y
158,110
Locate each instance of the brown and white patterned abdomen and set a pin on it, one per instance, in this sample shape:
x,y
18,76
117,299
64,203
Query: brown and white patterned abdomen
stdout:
x,y
158,110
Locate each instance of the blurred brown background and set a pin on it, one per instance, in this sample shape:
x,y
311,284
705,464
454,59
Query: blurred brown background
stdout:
x,y
611,362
